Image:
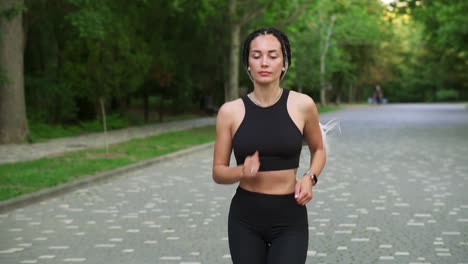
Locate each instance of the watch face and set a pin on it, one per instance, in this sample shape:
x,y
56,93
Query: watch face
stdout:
x,y
314,178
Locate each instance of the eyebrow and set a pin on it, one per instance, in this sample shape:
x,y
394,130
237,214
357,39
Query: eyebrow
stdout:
x,y
270,51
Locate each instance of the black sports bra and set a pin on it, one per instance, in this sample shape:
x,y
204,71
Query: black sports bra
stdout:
x,y
272,132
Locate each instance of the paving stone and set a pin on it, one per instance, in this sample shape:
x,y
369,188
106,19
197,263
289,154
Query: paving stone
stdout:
x,y
393,191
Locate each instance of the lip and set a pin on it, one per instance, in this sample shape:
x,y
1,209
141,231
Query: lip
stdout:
x,y
264,73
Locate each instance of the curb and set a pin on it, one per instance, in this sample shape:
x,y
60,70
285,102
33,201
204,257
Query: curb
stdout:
x,y
36,197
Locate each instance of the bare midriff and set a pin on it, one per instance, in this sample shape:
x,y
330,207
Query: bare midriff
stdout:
x,y
271,182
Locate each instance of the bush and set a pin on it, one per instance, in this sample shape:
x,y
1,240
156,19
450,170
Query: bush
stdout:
x,y
41,131
114,121
49,99
447,95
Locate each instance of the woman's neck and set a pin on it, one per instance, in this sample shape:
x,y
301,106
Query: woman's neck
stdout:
x,y
266,95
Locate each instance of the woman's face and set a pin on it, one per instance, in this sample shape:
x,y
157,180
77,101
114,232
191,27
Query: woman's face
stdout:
x,y
265,59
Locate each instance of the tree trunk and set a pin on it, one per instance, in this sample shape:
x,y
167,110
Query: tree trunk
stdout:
x,y
323,96
13,122
226,89
233,86
161,109
234,64
145,104
338,99
104,123
323,56
350,94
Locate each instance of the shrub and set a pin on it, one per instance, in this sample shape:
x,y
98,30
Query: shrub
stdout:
x,y
447,95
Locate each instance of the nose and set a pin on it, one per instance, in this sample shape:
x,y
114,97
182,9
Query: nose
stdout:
x,y
264,61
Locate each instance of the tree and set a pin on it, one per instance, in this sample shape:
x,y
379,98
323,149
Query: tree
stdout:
x,y
49,97
361,37
337,45
442,59
324,45
239,15
13,122
108,59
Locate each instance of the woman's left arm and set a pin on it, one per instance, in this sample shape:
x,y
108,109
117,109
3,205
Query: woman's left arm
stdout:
x,y
313,136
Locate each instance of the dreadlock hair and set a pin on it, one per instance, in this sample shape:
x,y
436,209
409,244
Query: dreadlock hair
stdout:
x,y
283,40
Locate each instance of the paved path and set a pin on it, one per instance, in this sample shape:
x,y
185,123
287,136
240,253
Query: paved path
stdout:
x,y
394,191
20,152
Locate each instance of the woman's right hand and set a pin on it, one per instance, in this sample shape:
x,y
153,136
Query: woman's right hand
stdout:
x,y
251,166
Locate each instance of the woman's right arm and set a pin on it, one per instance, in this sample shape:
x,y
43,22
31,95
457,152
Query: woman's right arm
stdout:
x,y
222,173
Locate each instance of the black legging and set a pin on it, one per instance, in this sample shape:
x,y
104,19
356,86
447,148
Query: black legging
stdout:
x,y
267,229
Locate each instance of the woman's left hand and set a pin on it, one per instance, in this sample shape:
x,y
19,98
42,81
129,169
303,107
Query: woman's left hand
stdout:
x,y
303,192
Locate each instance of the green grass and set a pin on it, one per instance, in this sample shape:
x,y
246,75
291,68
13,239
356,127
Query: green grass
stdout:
x,y
328,108
40,132
25,177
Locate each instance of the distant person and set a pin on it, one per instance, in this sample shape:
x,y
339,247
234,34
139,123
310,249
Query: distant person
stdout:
x,y
267,221
378,95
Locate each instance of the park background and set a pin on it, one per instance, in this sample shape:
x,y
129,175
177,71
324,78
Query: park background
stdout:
x,y
64,63
394,189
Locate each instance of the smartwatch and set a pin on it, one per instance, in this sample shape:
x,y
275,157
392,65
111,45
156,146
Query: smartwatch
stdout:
x,y
312,176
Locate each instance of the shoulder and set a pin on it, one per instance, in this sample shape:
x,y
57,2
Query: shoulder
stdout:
x,y
303,102
231,107
229,110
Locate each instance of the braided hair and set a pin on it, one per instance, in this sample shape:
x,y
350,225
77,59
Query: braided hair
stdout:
x,y
283,40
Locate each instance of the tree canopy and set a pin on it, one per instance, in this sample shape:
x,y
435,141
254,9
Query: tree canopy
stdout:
x,y
166,55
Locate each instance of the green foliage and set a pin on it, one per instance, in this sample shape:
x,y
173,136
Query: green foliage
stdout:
x,y
3,76
91,18
49,99
114,121
109,60
442,51
40,131
354,50
447,95
12,12
81,50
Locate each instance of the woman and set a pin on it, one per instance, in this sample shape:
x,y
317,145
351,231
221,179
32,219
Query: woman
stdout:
x,y
268,218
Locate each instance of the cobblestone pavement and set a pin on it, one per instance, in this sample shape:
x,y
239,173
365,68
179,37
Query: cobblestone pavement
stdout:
x,y
19,152
394,191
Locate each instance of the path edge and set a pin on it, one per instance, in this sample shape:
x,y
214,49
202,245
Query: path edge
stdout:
x,y
44,194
